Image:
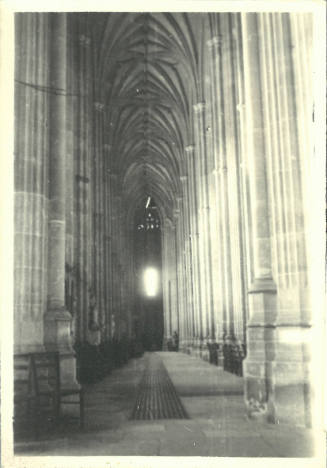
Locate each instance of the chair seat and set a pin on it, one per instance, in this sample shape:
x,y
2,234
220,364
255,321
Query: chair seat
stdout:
x,y
69,391
23,398
38,374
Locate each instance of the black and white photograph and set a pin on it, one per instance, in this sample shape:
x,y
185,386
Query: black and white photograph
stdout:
x,y
168,235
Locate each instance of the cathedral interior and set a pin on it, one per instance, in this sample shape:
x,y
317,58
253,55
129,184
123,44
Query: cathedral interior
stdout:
x,y
162,230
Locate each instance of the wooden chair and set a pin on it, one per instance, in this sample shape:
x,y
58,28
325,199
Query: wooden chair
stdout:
x,y
38,391
47,367
26,400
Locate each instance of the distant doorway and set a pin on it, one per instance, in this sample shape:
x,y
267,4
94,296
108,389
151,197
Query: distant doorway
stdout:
x,y
148,313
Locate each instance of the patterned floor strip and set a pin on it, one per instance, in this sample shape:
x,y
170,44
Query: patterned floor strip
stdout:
x,y
157,397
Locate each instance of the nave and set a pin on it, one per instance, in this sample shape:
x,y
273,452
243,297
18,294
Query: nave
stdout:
x,y
164,201
213,422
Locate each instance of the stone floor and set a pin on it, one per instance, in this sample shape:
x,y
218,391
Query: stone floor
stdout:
x,y
213,399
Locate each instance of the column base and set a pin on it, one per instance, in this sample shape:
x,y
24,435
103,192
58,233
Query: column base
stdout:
x,y
277,367
196,347
257,366
204,352
257,392
292,392
28,348
220,356
57,337
183,346
164,343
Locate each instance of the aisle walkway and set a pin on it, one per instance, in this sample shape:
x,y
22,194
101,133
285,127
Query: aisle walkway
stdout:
x,y
157,397
212,399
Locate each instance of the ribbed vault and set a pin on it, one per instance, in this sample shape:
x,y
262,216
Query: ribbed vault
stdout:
x,y
146,68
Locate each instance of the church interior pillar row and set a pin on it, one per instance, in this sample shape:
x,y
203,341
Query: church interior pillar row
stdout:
x,y
201,213
211,232
106,239
222,168
82,231
204,125
98,247
70,283
117,267
182,283
166,286
110,255
107,234
187,292
188,266
311,292
214,51
172,253
241,155
180,274
232,149
57,319
190,158
258,366
31,180
176,273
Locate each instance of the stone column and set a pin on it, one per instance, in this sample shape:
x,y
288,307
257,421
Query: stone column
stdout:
x,y
184,276
174,278
217,255
166,288
71,103
223,152
284,114
58,319
179,273
188,265
30,180
194,249
108,236
98,251
201,190
258,366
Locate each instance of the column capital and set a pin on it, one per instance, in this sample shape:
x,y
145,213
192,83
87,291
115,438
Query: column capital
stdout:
x,y
189,149
220,170
263,285
183,178
85,41
215,42
82,178
99,106
167,223
199,107
176,213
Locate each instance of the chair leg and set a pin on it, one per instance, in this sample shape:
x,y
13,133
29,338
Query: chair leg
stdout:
x,y
81,409
37,418
56,408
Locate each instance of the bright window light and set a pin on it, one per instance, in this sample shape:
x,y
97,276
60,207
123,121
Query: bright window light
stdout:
x,y
151,281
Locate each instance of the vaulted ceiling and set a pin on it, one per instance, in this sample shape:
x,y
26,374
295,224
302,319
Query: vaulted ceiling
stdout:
x,y
147,68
